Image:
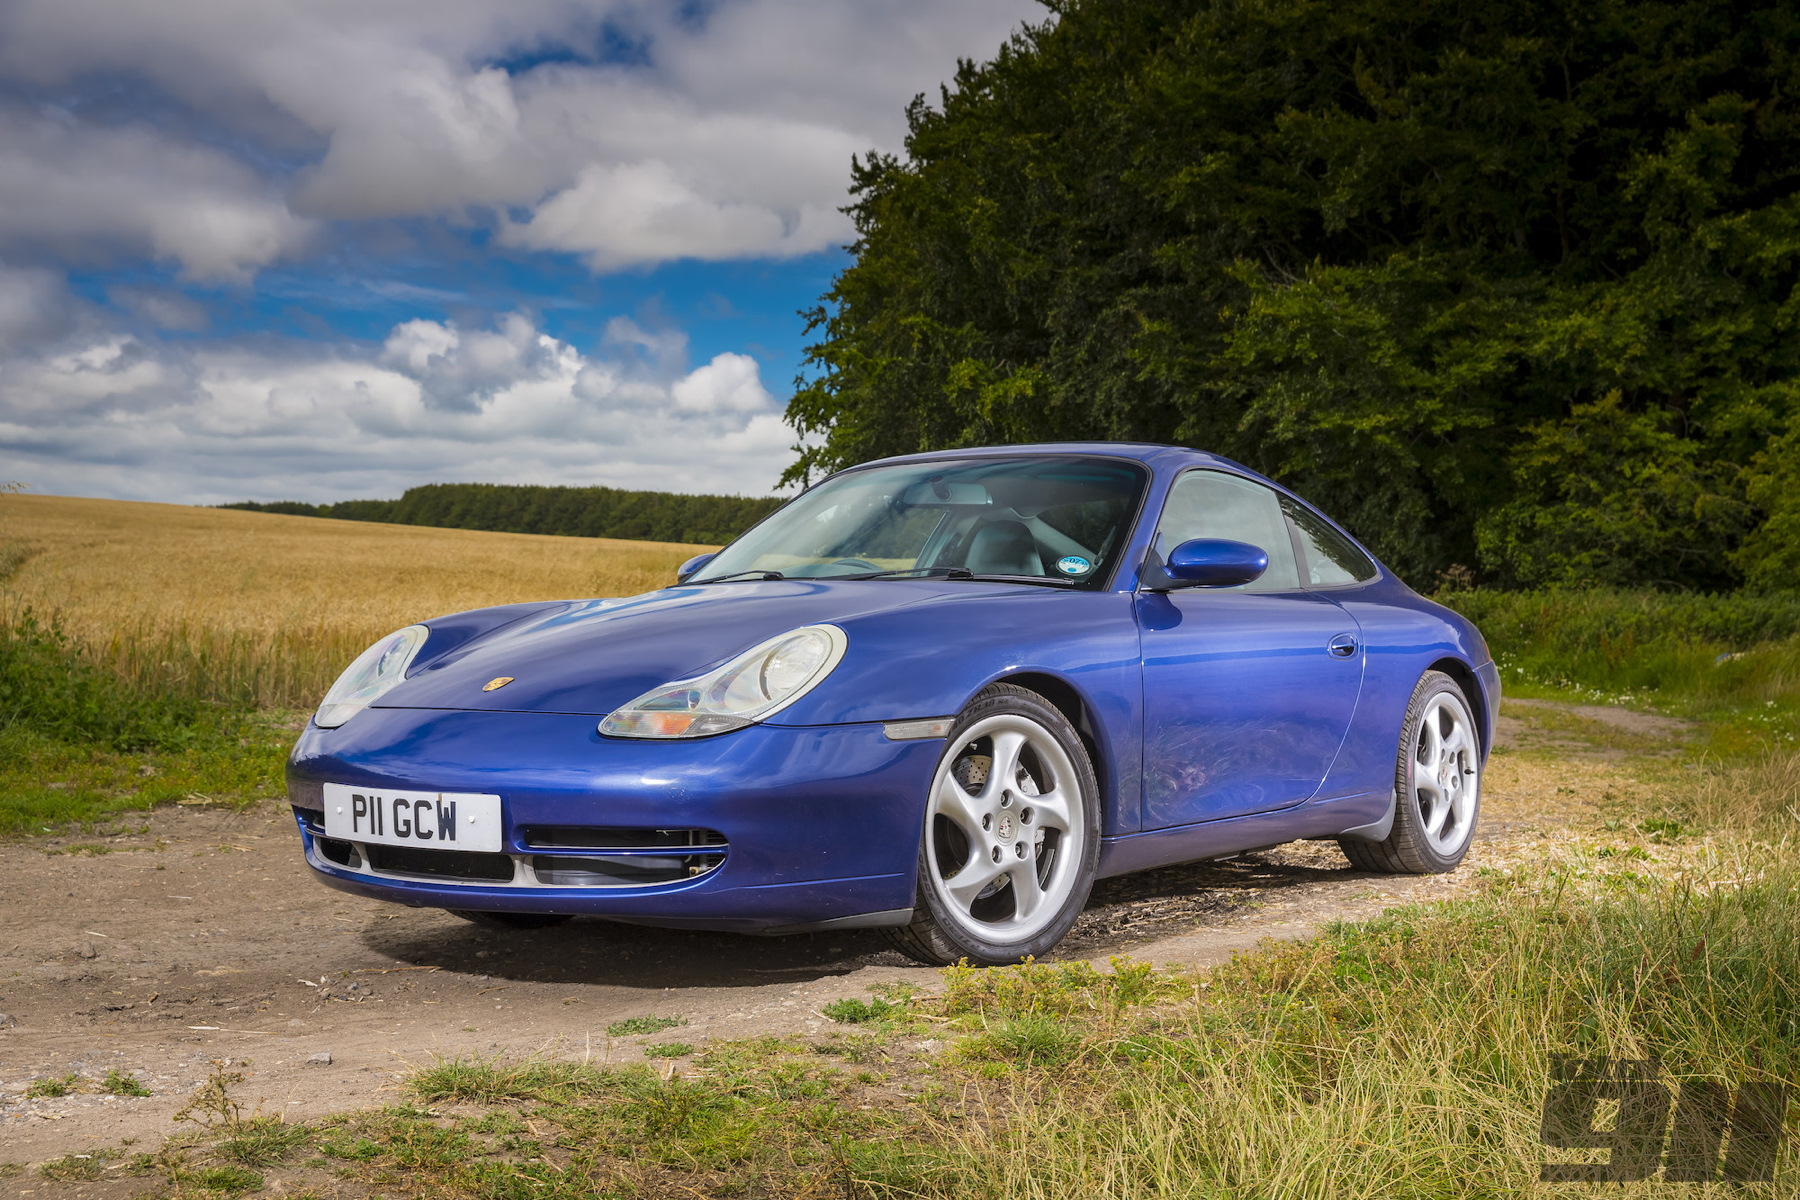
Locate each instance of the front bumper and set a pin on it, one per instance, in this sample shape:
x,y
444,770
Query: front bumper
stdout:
x,y
819,825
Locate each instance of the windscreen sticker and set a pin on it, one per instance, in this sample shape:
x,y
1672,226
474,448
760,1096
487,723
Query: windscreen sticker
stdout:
x,y
1074,564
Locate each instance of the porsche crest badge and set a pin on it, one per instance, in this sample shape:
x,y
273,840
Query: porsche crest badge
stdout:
x,y
499,681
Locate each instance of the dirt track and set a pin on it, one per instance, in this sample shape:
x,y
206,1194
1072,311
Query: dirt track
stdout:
x,y
203,939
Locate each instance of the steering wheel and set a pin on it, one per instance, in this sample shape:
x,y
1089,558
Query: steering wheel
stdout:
x,y
861,564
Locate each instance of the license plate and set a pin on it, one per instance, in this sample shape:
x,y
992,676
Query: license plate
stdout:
x,y
432,820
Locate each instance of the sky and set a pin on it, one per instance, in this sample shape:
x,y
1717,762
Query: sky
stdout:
x,y
329,249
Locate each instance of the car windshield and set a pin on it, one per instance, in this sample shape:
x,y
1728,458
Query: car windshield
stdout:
x,y
1042,519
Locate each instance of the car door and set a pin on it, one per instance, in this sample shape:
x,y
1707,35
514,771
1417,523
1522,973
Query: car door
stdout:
x,y
1248,690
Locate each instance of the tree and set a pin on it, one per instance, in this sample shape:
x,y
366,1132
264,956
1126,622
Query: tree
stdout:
x,y
1372,249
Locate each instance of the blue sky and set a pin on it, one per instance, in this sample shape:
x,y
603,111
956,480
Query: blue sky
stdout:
x,y
258,249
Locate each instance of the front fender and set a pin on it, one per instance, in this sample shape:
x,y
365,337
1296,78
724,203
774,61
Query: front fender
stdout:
x,y
930,659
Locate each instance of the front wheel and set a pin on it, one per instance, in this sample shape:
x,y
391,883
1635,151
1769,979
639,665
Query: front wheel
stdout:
x,y
1437,786
1011,836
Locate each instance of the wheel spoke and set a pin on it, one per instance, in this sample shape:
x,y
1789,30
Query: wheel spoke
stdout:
x,y
1050,811
1431,742
1458,740
1437,818
1028,893
1429,797
980,872
955,803
1004,770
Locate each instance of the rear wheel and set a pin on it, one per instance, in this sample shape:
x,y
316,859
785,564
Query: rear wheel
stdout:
x,y
1437,784
1012,833
510,920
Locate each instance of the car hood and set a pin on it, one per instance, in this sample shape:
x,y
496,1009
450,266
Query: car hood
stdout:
x,y
591,656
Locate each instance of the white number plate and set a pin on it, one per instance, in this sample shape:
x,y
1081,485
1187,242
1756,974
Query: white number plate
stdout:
x,y
434,820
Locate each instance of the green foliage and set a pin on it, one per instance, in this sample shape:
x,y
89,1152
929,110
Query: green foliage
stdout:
x,y
668,1050
1770,557
1494,284
79,744
123,1083
851,1011
633,1026
1611,497
1732,657
49,686
54,1087
261,1141
568,511
72,1168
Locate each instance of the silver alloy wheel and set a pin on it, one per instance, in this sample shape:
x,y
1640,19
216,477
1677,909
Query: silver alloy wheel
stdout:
x,y
1446,774
1013,848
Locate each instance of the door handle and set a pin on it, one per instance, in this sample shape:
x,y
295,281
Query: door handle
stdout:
x,y
1342,646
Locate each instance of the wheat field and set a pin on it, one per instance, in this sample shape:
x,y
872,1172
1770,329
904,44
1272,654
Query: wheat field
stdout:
x,y
267,609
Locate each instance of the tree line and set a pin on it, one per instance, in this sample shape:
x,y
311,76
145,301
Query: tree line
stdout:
x,y
566,511
1508,286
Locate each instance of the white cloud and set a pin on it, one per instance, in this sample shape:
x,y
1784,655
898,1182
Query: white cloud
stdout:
x,y
34,306
79,188
116,416
729,383
732,139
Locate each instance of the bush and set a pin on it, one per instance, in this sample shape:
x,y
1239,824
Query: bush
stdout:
x,y
1726,648
49,686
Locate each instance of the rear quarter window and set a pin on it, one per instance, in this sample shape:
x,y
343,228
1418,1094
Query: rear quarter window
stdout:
x,y
1327,557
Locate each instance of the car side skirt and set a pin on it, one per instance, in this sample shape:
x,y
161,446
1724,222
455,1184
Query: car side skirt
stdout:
x,y
1234,835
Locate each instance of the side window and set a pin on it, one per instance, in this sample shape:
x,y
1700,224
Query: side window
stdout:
x,y
1211,504
1331,559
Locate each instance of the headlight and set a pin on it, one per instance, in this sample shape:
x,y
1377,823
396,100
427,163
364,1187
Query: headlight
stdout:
x,y
377,671
755,685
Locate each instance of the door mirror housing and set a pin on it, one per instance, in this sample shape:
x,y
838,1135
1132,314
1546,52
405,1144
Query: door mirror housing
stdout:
x,y
691,567
1214,562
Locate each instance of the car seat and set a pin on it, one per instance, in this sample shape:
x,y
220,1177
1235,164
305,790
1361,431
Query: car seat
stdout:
x,y
1004,547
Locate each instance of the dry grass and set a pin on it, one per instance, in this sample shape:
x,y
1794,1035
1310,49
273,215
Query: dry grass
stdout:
x,y
266,609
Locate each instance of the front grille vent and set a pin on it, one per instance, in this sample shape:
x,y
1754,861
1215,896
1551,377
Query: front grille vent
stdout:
x,y
601,837
442,864
575,856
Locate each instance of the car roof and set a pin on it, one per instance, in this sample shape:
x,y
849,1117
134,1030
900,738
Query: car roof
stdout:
x,y
1149,453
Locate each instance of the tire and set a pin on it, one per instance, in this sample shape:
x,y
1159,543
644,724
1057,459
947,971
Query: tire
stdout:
x,y
510,920
1436,808
1037,837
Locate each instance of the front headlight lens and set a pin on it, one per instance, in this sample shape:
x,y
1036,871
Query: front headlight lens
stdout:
x,y
755,685
377,671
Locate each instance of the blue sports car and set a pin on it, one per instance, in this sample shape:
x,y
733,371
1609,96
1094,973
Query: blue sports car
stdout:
x,y
939,695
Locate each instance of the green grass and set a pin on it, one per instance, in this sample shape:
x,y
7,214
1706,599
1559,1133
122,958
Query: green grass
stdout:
x,y
1731,660
634,1026
80,747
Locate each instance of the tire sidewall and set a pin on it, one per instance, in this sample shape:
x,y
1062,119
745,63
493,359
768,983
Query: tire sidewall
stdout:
x,y
1413,843
952,933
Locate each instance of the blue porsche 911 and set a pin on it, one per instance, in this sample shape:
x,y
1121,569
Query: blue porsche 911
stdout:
x,y
938,695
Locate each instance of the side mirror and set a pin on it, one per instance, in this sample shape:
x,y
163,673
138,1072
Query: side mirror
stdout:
x,y
691,566
1215,562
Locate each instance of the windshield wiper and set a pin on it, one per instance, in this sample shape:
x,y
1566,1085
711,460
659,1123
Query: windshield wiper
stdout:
x,y
960,573
1033,580
761,576
914,573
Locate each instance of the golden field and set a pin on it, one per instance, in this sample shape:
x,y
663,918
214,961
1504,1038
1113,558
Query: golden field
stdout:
x,y
267,609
